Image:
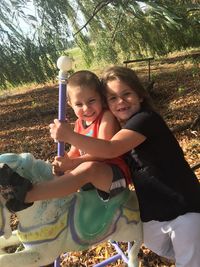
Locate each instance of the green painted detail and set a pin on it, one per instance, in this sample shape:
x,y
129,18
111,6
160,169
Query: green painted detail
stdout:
x,y
93,216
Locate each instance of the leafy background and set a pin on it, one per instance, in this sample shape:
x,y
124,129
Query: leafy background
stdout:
x,y
26,112
33,33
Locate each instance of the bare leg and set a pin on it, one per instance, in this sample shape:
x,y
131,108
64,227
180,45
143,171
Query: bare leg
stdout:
x,y
97,173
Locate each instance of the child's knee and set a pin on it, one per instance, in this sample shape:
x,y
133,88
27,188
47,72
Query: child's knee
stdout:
x,y
90,167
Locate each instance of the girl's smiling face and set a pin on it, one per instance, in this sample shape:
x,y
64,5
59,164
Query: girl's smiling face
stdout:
x,y
86,103
122,100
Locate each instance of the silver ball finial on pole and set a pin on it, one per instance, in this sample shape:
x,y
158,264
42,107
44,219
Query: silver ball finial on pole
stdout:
x,y
64,64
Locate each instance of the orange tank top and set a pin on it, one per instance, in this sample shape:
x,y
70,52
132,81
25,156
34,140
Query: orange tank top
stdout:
x,y
92,131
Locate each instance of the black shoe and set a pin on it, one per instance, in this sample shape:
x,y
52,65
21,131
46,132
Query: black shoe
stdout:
x,y
14,188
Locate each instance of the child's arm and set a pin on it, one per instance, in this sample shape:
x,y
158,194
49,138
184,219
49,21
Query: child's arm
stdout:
x,y
70,161
109,126
122,142
73,152
62,164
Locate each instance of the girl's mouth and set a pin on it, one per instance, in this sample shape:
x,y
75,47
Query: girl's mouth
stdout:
x,y
123,109
90,115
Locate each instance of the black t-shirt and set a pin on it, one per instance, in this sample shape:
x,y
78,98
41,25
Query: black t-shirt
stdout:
x,y
164,182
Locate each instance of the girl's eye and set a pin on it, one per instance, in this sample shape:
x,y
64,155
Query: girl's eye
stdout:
x,y
112,98
79,105
127,94
91,101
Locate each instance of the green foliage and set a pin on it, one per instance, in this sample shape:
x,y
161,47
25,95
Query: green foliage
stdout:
x,y
105,30
181,89
25,58
22,62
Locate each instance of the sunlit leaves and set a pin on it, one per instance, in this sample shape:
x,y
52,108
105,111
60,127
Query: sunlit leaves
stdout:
x,y
106,30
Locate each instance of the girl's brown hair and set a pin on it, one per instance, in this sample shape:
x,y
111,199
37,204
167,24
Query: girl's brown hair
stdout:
x,y
86,78
129,77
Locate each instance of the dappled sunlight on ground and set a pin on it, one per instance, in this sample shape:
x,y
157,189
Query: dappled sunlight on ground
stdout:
x,y
25,116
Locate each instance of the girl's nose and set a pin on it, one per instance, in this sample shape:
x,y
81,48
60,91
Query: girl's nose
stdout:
x,y
85,107
119,99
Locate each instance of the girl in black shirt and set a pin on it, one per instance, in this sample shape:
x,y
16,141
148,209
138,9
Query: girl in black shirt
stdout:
x,y
168,191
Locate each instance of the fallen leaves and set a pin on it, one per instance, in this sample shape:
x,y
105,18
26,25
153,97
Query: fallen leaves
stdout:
x,y
24,120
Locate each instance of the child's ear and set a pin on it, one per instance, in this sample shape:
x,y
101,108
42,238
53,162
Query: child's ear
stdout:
x,y
69,103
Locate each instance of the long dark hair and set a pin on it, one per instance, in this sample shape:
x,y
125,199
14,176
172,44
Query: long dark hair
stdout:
x,y
129,77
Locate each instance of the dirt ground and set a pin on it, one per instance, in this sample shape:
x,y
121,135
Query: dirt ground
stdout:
x,y
25,116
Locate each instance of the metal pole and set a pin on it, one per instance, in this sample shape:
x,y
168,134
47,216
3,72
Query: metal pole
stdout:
x,y
64,63
108,261
61,112
119,251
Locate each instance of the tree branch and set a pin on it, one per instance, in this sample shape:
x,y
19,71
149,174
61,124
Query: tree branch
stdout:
x,y
195,9
116,27
97,8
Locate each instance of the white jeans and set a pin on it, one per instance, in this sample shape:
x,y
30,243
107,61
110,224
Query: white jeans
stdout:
x,y
178,239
